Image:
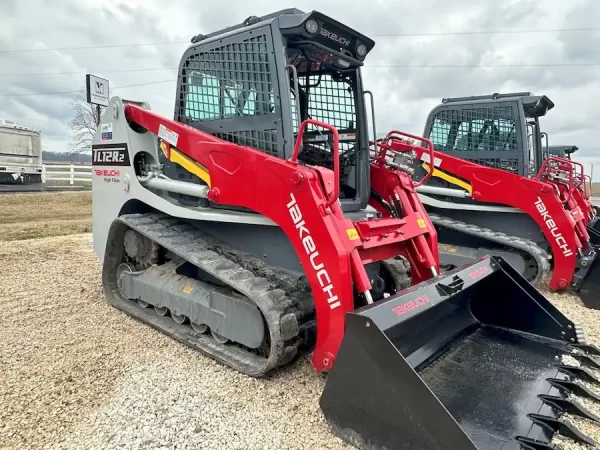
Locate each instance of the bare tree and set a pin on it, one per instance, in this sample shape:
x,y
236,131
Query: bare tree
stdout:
x,y
83,124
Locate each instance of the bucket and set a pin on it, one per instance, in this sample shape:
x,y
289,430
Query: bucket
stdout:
x,y
467,360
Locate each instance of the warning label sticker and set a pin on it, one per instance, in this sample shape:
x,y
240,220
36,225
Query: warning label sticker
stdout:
x,y
168,135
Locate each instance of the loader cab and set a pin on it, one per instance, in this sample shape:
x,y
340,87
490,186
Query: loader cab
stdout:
x,y
499,130
254,83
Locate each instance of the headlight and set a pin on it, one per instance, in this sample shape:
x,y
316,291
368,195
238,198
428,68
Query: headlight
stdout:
x,y
312,26
361,50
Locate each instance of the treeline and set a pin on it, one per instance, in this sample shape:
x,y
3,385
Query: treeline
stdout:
x,y
64,157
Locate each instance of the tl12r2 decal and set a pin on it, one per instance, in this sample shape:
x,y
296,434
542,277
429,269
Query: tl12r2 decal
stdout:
x,y
110,155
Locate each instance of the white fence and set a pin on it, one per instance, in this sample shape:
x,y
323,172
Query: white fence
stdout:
x,y
72,173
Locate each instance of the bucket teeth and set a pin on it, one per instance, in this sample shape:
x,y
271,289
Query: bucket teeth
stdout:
x,y
586,359
573,387
587,348
532,444
568,406
557,425
581,373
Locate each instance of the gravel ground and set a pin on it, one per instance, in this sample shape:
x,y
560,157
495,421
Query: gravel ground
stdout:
x,y
75,373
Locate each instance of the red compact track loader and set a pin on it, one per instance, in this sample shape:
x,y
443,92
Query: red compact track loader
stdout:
x,y
497,189
258,224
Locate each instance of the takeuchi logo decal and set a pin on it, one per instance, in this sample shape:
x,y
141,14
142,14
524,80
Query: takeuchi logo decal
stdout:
x,y
334,37
551,224
313,253
411,305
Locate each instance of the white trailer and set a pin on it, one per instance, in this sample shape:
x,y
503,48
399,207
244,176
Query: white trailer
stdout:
x,y
20,154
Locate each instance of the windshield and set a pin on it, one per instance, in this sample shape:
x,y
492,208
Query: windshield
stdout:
x,y
329,95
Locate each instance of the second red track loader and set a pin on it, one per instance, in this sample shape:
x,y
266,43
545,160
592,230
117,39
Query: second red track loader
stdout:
x,y
495,188
248,228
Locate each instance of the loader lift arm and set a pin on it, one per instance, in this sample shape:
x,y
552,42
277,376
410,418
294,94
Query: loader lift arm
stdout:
x,y
302,200
538,199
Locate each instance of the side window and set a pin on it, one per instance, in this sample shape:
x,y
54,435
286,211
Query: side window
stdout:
x,y
486,135
462,137
209,98
439,133
230,96
202,100
507,134
467,135
250,108
495,135
230,83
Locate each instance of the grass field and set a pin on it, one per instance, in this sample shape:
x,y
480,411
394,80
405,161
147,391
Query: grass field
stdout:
x,y
44,214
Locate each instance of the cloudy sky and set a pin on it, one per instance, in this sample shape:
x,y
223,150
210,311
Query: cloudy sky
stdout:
x,y
422,54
